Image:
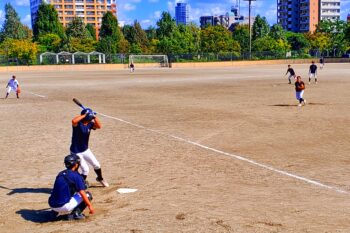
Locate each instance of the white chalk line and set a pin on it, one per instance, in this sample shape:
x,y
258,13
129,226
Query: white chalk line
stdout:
x,y
313,182
41,96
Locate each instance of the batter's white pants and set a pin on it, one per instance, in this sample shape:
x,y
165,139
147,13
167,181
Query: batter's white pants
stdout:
x,y
86,158
69,207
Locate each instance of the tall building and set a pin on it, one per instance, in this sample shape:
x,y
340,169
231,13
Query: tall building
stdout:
x,y
348,18
304,15
330,9
91,11
181,13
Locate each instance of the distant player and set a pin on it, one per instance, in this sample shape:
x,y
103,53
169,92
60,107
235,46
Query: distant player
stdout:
x,y
82,126
299,91
13,85
321,63
132,67
68,196
291,74
313,72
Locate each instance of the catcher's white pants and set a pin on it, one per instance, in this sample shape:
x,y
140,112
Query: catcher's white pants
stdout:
x,y
86,158
69,207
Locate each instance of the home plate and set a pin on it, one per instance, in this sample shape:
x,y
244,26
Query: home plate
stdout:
x,y
126,190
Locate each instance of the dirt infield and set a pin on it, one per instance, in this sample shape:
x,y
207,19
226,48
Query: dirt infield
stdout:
x,y
176,135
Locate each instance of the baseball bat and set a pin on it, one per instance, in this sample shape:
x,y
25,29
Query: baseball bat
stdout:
x,y
78,103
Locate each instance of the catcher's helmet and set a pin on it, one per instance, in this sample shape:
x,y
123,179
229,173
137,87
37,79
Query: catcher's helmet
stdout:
x,y
71,160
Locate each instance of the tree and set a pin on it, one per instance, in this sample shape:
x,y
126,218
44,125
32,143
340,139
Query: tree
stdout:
x,y
76,28
319,41
260,28
337,33
92,30
12,27
141,36
215,39
47,22
49,43
24,50
277,32
110,34
86,45
298,42
241,35
166,26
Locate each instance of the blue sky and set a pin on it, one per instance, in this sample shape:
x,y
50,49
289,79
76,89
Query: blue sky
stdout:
x,y
148,11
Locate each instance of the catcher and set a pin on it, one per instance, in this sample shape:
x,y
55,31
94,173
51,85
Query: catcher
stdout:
x,y
13,85
68,196
82,126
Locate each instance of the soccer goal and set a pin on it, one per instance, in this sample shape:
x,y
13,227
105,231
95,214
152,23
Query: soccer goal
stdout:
x,y
149,61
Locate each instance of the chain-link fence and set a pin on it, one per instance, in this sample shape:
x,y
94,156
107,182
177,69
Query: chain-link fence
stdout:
x,y
51,59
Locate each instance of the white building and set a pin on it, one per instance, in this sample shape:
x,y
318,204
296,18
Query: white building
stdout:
x,y
330,10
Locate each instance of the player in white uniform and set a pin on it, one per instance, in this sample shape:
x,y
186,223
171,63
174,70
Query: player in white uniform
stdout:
x,y
12,85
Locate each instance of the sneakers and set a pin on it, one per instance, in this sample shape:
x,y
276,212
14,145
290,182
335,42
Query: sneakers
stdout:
x,y
75,216
103,182
304,102
299,105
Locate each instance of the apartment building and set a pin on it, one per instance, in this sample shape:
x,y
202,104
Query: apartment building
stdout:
x,y
304,15
91,11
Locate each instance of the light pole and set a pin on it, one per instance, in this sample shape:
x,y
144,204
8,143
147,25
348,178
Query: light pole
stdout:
x,y
250,29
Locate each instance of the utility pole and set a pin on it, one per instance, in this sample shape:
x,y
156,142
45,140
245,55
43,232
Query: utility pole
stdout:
x,y
250,29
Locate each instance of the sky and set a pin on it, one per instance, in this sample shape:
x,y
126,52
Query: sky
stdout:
x,y
148,12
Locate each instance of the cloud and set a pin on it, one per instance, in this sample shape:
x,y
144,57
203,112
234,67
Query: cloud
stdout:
x,y
22,2
128,7
26,20
2,17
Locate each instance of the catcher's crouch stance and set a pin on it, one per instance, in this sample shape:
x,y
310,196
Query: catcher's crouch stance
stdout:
x,y
68,196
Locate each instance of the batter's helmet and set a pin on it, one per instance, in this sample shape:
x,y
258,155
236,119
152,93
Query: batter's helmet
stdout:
x,y
89,114
71,160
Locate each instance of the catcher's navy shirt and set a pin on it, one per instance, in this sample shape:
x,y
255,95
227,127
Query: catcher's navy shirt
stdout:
x,y
80,137
62,189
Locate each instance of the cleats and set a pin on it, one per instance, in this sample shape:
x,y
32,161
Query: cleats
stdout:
x,y
75,216
103,182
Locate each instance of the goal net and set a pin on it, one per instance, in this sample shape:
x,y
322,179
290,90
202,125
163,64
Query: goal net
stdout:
x,y
149,61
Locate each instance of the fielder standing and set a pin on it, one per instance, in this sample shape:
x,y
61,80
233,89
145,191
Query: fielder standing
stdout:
x,y
313,72
82,126
291,74
299,91
13,85
321,63
132,67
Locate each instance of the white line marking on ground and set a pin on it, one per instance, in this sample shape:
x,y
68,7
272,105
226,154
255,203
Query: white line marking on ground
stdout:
x,y
313,182
41,96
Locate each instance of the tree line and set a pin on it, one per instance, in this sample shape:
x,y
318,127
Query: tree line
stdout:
x,y
49,35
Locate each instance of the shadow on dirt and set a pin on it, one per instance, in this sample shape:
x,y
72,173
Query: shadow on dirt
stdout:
x,y
39,216
295,105
27,190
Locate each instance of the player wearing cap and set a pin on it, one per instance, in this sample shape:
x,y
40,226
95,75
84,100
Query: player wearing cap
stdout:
x,y
68,196
313,72
291,74
13,85
82,126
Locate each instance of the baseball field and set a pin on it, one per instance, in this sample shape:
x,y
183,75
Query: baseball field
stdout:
x,y
208,150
